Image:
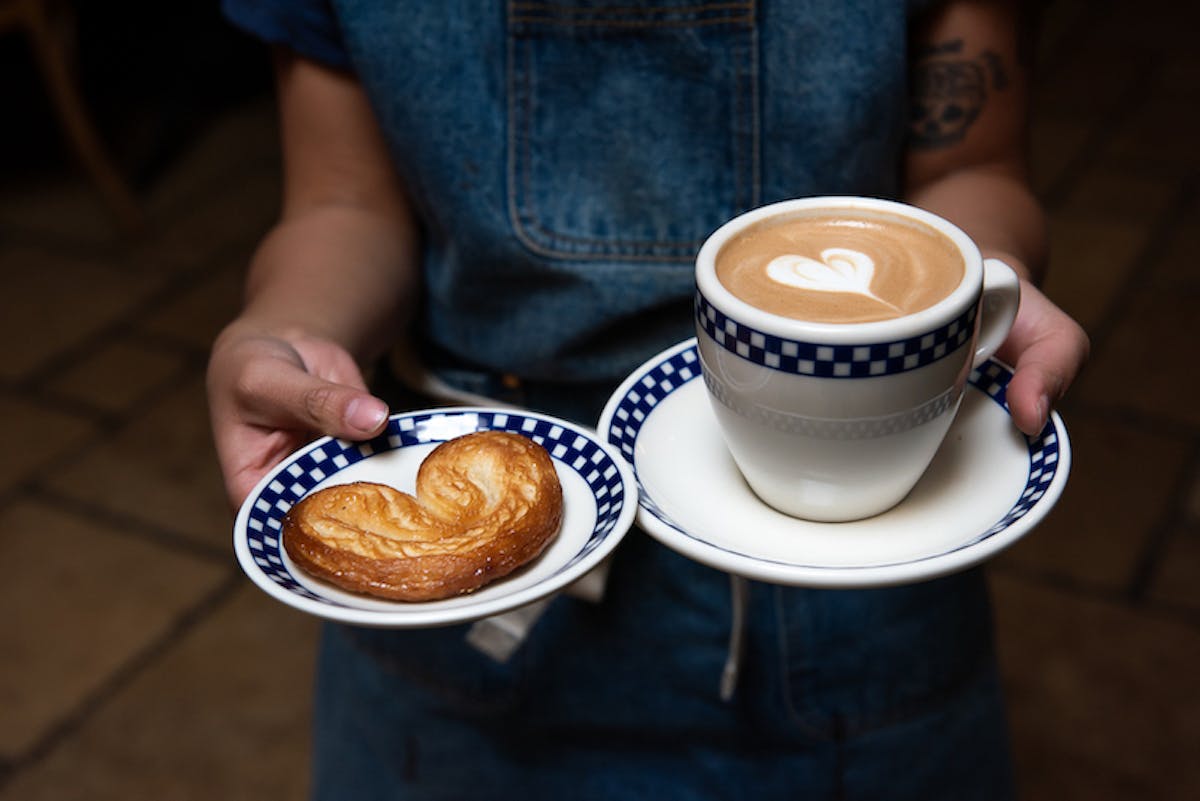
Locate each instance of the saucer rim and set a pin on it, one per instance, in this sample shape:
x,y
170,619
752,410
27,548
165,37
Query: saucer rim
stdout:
x,y
978,545
421,614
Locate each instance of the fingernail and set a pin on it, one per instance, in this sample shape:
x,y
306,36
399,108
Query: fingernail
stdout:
x,y
1043,411
365,414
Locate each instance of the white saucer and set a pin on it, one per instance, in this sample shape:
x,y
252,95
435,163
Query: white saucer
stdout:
x,y
599,507
988,486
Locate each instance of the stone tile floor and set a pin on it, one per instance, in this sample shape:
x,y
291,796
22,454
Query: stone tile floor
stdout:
x,y
137,663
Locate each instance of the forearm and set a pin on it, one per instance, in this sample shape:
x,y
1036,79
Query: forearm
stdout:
x,y
325,289
995,207
970,82
338,272
341,264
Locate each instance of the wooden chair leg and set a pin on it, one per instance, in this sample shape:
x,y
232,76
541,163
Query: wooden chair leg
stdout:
x,y
49,49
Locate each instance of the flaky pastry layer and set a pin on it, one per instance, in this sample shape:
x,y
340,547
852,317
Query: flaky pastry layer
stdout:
x,y
486,503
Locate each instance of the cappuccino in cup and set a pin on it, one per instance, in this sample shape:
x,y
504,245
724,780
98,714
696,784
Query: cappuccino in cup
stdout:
x,y
835,339
855,266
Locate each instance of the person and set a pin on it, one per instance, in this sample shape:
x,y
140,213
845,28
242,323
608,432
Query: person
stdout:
x,y
517,190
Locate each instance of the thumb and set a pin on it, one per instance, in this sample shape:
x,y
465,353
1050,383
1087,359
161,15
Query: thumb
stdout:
x,y
1047,349
289,397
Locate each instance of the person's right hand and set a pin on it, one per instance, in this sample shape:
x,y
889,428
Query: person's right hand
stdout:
x,y
270,392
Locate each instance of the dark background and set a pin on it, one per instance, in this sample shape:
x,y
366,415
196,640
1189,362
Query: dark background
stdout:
x,y
137,662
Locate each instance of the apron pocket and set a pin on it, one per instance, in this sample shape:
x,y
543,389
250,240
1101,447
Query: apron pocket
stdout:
x,y
632,131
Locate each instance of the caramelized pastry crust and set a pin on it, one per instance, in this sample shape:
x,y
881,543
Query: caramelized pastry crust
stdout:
x,y
486,503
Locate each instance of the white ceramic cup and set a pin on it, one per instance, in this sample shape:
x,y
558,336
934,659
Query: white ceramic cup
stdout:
x,y
838,421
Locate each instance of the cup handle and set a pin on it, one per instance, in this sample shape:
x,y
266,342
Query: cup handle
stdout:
x,y
998,309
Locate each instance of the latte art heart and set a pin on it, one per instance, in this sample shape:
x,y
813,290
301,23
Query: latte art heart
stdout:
x,y
839,270
848,266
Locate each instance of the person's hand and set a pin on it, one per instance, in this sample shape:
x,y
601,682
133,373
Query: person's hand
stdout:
x,y
270,392
1047,350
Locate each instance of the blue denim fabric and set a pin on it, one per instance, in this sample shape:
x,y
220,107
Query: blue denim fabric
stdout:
x,y
890,693
306,26
566,158
883,694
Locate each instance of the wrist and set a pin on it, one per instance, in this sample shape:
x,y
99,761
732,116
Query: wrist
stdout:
x,y
289,323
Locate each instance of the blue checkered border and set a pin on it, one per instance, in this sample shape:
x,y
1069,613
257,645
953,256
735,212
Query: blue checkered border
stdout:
x,y
639,401
834,361
992,379
325,458
669,375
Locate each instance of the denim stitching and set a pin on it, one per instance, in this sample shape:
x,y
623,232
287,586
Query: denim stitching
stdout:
x,y
519,175
582,16
841,726
755,114
541,5
746,105
678,251
634,24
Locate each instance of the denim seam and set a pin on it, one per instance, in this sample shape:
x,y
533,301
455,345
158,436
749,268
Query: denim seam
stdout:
x,y
581,16
636,24
746,108
861,724
521,169
842,726
803,722
536,5
518,170
737,135
755,113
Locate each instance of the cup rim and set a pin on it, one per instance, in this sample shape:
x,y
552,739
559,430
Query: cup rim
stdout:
x,y
714,292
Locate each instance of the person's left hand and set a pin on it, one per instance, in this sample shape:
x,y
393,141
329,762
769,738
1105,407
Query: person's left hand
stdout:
x,y
1047,350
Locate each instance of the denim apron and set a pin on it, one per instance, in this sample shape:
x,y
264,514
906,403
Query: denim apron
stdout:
x,y
567,158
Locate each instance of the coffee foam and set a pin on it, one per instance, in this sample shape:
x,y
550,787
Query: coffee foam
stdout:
x,y
840,266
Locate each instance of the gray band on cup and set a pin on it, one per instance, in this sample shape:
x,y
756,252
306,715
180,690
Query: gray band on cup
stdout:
x,y
825,428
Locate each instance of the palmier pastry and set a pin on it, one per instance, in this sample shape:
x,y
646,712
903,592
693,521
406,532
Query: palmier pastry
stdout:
x,y
486,503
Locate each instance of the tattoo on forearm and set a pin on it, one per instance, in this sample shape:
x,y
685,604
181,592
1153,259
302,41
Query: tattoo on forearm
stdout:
x,y
941,48
949,91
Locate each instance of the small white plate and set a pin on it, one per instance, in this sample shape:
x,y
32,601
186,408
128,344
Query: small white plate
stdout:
x,y
599,506
988,486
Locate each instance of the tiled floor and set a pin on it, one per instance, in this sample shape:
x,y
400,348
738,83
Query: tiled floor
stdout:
x,y
137,663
